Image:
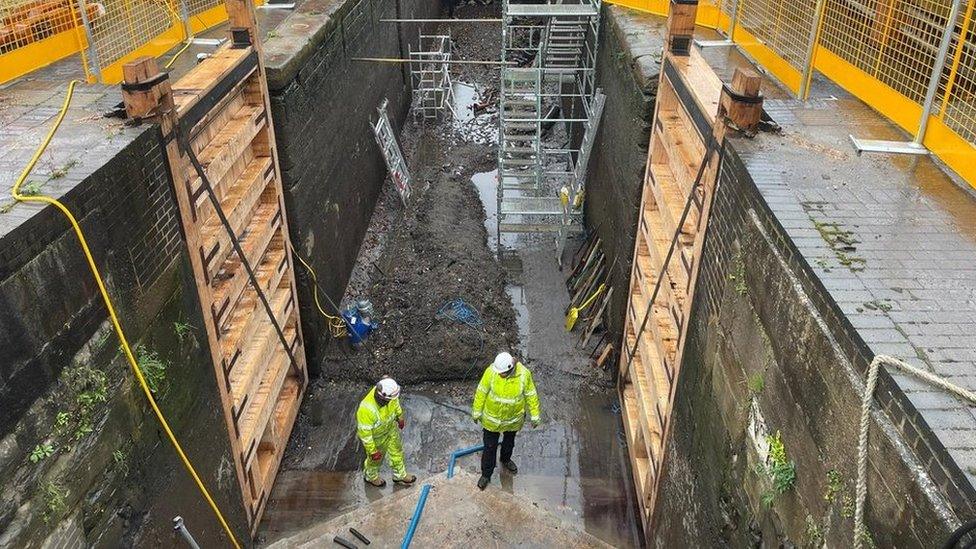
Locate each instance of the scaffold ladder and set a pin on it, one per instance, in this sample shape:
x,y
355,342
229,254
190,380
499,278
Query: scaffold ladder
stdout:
x,y
386,139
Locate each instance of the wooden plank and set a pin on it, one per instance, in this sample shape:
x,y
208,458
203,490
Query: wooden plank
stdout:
x,y
226,149
254,200
260,409
247,364
231,278
204,76
705,85
654,233
671,201
239,323
654,374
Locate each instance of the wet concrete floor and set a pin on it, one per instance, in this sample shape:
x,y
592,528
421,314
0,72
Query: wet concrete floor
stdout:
x,y
575,462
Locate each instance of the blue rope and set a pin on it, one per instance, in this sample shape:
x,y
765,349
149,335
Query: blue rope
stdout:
x,y
459,311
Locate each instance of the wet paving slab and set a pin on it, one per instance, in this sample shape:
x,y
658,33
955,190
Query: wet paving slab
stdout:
x,y
891,237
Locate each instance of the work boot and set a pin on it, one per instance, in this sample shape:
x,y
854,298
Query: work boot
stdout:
x,y
483,482
406,481
377,482
510,465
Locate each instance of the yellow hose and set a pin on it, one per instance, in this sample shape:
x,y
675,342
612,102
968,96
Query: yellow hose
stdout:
x,y
111,309
337,327
178,53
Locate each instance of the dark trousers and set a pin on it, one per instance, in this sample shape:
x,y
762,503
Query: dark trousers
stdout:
x,y
491,448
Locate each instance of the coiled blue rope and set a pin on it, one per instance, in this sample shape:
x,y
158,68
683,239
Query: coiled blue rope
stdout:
x,y
459,311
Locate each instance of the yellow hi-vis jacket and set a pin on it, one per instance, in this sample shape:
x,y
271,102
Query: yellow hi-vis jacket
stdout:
x,y
500,403
375,423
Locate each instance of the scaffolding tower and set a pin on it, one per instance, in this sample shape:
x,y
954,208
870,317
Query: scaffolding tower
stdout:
x,y
552,51
430,77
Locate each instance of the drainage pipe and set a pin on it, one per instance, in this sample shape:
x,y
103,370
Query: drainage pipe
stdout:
x,y
426,490
461,453
416,517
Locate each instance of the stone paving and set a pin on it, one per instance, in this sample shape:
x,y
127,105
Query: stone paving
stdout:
x,y
892,239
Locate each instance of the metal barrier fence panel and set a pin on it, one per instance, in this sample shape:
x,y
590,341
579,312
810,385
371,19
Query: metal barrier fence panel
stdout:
x,y
132,29
107,33
36,33
884,52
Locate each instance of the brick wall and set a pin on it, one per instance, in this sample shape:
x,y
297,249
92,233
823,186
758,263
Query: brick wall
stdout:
x,y
760,314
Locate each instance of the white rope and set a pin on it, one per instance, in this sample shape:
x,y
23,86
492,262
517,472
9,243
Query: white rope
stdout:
x,y
862,445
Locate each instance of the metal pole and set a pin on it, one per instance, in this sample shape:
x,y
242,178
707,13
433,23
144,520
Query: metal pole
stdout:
x,y
729,39
940,61
811,49
733,20
96,70
443,20
185,16
180,528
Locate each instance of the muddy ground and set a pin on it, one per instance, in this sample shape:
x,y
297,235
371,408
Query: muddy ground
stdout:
x,y
414,260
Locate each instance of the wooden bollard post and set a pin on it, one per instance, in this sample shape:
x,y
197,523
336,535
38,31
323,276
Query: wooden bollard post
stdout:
x,y
146,92
681,26
741,102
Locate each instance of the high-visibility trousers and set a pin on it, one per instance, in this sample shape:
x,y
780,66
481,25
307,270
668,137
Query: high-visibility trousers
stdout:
x,y
392,449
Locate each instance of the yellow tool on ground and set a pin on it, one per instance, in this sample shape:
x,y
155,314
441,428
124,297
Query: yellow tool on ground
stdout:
x,y
574,312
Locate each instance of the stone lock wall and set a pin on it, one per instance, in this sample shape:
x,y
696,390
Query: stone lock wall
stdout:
x,y
82,460
764,362
323,102
627,69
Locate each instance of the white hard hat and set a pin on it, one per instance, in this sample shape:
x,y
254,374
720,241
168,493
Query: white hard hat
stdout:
x,y
503,363
387,388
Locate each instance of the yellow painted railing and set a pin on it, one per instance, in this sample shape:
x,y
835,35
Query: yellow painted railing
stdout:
x,y
885,52
106,33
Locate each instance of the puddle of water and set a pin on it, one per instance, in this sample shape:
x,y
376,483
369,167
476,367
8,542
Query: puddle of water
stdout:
x,y
517,294
487,185
477,129
465,96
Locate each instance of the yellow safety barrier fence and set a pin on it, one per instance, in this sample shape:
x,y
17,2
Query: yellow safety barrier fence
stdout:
x,y
106,33
884,52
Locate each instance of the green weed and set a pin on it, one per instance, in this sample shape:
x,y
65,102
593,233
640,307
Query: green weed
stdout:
x,y
153,369
41,452
182,329
756,383
55,500
738,274
814,532
847,508
30,188
58,173
835,485
780,469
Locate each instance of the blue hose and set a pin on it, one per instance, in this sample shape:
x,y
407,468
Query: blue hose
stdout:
x,y
416,516
461,453
426,490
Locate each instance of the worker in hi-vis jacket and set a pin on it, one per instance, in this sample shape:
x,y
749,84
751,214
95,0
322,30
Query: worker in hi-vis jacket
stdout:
x,y
506,393
379,420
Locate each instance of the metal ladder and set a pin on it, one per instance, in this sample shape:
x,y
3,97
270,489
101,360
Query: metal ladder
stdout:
x,y
521,194
576,189
386,139
565,42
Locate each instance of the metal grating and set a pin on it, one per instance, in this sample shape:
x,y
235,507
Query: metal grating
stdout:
x,y
957,92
